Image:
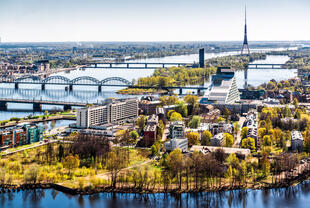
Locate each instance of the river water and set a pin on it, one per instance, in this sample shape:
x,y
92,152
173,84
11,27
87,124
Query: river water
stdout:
x,y
293,197
91,94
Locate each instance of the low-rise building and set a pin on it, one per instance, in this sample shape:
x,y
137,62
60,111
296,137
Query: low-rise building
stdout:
x,y
240,152
20,135
297,141
182,144
217,140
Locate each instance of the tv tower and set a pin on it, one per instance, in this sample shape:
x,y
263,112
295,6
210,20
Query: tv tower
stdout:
x,y
245,46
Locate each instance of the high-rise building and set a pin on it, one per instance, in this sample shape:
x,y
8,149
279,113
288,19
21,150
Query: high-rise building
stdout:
x,y
202,58
111,112
224,89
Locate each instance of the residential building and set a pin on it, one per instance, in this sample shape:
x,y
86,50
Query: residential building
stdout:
x,y
177,129
182,144
20,135
252,124
217,140
149,106
111,112
297,141
150,131
149,135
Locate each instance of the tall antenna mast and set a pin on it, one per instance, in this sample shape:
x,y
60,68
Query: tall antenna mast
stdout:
x,y
245,45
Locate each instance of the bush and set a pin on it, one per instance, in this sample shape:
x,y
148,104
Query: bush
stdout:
x,y
81,183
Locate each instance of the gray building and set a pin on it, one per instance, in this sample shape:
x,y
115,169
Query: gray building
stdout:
x,y
182,144
217,140
297,141
177,129
112,111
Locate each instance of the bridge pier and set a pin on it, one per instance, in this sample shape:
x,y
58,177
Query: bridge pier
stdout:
x,y
127,65
272,66
110,65
67,107
16,86
145,65
99,88
3,105
43,87
163,65
37,107
198,91
256,66
95,65
180,91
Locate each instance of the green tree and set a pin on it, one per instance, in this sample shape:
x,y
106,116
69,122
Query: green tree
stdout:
x,y
229,139
176,164
193,138
71,162
226,114
192,101
206,137
195,122
219,119
181,108
141,122
31,174
232,160
134,135
236,128
267,140
295,103
248,143
175,116
244,132
154,150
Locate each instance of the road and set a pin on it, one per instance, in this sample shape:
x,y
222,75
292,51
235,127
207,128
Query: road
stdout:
x,y
237,142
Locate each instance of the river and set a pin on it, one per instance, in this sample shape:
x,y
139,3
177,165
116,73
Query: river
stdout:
x,y
91,95
293,197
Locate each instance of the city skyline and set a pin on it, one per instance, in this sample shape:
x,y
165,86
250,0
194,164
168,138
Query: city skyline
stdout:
x,y
57,21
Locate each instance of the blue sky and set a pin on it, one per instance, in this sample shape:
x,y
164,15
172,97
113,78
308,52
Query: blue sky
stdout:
x,y
152,20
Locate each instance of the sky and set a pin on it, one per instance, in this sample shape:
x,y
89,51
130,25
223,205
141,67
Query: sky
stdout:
x,y
153,20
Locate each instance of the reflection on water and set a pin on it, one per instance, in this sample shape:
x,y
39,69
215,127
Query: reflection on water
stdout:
x,y
298,196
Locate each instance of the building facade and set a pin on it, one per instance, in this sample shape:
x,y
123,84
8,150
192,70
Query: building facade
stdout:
x,y
297,141
150,131
224,89
111,112
177,129
182,144
20,135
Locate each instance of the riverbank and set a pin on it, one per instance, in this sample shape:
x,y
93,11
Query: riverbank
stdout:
x,y
36,119
7,188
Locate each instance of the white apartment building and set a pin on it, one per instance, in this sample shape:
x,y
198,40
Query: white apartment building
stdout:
x,y
113,112
182,144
